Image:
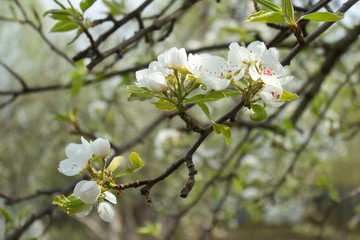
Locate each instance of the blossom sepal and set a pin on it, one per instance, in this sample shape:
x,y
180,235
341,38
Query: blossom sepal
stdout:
x,y
286,96
71,205
136,164
139,93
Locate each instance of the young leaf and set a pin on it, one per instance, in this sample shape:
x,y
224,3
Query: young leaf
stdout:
x,y
85,4
71,204
218,128
270,5
140,96
258,113
64,26
267,17
288,10
205,109
115,7
6,215
225,130
163,104
323,16
136,162
286,96
63,12
212,96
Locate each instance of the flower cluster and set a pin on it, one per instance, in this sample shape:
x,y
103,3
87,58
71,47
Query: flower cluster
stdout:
x,y
88,192
96,191
255,72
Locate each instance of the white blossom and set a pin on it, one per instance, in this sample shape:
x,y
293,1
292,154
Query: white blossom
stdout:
x,y
152,78
173,58
87,191
100,147
78,156
211,70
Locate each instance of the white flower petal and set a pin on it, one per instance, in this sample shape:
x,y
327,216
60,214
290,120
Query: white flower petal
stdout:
x,y
110,197
106,211
156,82
69,167
254,74
215,83
100,147
87,191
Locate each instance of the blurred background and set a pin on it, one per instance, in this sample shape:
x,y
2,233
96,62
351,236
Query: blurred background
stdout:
x,y
235,195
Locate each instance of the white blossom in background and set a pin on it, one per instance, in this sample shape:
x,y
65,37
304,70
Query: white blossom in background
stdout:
x,y
100,147
97,109
173,58
153,78
165,138
250,193
78,156
289,212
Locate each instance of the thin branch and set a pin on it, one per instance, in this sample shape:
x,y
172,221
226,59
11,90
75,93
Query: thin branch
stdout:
x,y
17,76
286,61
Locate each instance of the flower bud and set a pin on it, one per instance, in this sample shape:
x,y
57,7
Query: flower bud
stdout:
x,y
100,147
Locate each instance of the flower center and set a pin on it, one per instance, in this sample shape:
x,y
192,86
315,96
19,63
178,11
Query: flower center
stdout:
x,y
267,71
276,95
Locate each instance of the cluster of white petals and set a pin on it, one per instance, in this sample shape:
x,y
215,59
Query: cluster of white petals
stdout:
x,y
78,155
89,192
254,62
262,64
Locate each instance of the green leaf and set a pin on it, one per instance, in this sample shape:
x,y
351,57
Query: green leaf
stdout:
x,y
115,7
323,16
267,17
224,130
212,96
138,93
64,26
78,34
270,5
62,117
150,229
258,113
322,181
218,128
136,162
357,208
286,96
71,204
12,10
163,104
6,215
288,10
85,4
62,12
334,195
205,109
